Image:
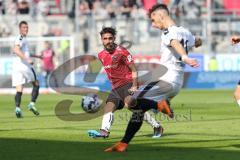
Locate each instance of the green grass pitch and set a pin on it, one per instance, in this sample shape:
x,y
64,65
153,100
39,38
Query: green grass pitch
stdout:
x,y
207,126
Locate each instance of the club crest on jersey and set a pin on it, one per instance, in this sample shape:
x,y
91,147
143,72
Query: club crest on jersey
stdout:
x,y
129,58
114,58
165,31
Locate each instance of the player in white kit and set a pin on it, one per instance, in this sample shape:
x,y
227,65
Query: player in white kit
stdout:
x,y
23,71
175,44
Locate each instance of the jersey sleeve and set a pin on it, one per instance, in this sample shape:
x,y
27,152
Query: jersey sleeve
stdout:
x,y
127,57
169,36
18,41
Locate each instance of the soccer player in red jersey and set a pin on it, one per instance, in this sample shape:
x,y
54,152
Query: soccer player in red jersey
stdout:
x,y
121,71
47,57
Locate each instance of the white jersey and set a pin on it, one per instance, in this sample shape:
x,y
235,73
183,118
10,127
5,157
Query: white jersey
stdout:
x,y
170,58
23,72
22,42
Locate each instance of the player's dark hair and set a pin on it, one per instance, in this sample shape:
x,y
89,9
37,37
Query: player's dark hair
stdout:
x,y
110,30
22,22
158,7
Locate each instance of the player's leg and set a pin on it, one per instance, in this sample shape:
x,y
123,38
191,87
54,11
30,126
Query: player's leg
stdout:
x,y
35,93
108,118
154,96
163,90
113,103
157,128
147,104
134,125
18,80
31,76
136,120
47,77
107,122
18,98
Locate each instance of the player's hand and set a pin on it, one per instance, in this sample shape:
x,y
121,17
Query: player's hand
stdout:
x,y
190,61
30,61
132,90
235,39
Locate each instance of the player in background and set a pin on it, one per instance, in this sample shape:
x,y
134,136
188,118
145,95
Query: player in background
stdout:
x,y
121,71
235,40
175,43
23,71
47,57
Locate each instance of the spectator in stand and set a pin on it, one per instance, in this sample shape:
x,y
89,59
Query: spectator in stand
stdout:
x,y
11,9
58,4
99,11
191,10
23,6
126,9
34,9
84,7
43,8
2,9
4,30
113,9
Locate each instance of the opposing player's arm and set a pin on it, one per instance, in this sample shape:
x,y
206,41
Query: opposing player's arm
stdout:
x,y
36,56
17,50
181,51
134,74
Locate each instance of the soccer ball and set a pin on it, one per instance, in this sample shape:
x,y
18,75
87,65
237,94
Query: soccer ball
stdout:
x,y
91,103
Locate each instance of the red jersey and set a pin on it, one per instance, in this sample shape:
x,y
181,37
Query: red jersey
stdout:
x,y
116,66
48,59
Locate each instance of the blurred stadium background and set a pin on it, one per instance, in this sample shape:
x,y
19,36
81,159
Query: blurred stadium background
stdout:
x,y
206,125
72,27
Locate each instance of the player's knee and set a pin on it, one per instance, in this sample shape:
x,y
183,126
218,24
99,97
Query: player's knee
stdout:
x,y
36,83
36,87
109,107
130,102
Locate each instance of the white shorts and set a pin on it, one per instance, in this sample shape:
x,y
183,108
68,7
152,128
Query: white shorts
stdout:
x,y
23,75
158,90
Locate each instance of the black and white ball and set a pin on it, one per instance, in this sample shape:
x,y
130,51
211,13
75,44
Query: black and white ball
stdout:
x,y
91,103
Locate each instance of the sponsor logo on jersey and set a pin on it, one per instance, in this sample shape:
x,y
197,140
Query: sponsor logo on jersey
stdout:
x,y
110,66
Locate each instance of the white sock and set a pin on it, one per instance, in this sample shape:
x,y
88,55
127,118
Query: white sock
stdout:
x,y
32,103
107,121
18,109
238,102
150,120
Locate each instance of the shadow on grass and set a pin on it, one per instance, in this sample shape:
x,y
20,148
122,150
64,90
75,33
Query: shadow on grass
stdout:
x,y
235,137
33,149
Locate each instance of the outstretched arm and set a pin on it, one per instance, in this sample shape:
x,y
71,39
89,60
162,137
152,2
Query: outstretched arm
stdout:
x,y
134,77
181,51
17,50
36,56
